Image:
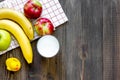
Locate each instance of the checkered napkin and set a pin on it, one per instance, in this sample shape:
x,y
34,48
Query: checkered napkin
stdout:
x,y
51,10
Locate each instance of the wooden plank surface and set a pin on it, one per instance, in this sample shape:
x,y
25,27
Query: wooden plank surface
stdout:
x,y
89,46
111,44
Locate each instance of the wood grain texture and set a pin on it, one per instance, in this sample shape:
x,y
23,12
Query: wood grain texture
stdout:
x,y
89,46
111,45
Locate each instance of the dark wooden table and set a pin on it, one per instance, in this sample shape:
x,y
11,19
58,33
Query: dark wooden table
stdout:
x,y
90,46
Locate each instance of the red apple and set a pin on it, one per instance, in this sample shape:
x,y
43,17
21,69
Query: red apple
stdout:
x,y
44,26
32,9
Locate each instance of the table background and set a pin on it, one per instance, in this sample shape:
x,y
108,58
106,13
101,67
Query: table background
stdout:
x,y
89,45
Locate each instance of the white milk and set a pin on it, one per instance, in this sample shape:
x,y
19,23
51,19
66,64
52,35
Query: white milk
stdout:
x,y
48,46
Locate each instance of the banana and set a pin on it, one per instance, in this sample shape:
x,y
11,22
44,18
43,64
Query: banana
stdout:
x,y
6,13
22,39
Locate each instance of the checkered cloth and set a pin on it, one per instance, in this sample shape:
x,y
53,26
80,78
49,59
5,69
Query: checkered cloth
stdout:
x,y
51,10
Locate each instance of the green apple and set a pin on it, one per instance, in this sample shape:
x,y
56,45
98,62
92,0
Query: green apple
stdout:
x,y
5,39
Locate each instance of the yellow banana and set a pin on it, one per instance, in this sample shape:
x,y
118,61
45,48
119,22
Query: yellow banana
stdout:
x,y
22,39
6,13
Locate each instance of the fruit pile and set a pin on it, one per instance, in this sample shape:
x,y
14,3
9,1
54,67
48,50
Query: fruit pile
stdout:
x,y
19,25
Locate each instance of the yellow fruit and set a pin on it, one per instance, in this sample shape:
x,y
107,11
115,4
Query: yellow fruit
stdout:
x,y
19,18
13,64
20,36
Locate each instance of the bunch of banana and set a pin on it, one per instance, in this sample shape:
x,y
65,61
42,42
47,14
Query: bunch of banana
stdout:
x,y
18,17
8,21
